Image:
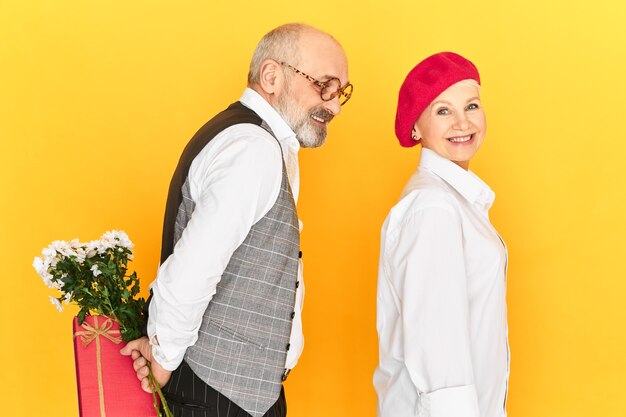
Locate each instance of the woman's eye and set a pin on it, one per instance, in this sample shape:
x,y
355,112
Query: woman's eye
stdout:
x,y
472,106
443,112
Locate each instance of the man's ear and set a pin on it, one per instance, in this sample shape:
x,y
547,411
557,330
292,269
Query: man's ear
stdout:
x,y
271,77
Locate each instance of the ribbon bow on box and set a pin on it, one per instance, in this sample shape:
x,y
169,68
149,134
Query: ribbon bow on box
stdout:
x,y
90,334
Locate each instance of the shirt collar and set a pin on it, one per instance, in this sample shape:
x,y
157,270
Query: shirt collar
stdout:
x,y
253,100
472,188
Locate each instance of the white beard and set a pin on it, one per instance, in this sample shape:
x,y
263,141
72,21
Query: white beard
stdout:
x,y
299,120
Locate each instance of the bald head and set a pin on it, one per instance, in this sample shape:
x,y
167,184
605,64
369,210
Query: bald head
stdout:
x,y
293,68
285,43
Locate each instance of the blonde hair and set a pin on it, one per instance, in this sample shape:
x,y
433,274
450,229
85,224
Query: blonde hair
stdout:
x,y
470,82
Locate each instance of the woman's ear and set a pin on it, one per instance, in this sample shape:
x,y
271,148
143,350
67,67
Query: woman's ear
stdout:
x,y
415,133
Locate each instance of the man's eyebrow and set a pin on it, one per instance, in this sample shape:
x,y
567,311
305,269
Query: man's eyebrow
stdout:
x,y
328,77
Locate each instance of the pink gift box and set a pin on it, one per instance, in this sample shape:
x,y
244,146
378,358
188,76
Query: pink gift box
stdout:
x,y
107,383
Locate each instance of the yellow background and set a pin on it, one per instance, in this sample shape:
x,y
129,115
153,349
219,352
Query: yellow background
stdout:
x,y
98,98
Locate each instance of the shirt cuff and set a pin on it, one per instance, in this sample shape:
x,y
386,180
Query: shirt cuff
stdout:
x,y
159,357
449,402
157,351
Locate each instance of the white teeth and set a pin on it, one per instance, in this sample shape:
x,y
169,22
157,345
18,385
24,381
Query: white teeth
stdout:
x,y
318,119
460,139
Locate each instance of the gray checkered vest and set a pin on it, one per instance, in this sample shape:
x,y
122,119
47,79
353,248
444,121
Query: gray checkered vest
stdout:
x,y
244,336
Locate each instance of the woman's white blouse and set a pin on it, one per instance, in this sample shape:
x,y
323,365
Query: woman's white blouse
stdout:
x,y
441,308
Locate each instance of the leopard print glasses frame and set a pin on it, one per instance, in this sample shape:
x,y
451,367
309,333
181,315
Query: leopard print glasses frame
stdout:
x,y
329,89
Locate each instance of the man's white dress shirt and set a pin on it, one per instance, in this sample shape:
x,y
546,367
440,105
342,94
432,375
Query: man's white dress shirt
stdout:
x,y
235,181
441,309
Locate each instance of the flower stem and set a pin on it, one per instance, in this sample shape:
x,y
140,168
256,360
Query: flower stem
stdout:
x,y
155,402
156,389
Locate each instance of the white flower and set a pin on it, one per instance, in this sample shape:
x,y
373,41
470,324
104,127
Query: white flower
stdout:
x,y
42,269
61,247
67,298
49,256
64,249
92,248
103,245
78,250
91,251
117,238
56,303
95,270
38,264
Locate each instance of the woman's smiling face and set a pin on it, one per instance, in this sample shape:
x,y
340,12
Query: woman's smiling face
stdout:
x,y
454,124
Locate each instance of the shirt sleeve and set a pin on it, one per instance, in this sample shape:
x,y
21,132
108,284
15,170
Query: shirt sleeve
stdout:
x,y
428,255
234,182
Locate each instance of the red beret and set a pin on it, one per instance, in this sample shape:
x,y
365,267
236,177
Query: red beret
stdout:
x,y
423,84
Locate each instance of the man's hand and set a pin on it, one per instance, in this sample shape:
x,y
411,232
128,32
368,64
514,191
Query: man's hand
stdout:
x,y
141,352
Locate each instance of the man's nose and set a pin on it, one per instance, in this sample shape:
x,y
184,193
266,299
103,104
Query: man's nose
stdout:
x,y
333,105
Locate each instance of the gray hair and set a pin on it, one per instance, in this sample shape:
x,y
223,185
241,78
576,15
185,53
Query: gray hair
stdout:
x,y
280,44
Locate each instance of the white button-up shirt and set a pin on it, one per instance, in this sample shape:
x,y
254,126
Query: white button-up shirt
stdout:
x,y
235,180
441,313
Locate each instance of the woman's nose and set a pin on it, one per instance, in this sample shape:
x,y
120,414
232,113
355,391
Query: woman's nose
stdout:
x,y
461,122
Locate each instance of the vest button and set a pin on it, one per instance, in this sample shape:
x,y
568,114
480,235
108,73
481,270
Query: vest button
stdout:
x,y
297,284
288,346
285,374
293,314
300,254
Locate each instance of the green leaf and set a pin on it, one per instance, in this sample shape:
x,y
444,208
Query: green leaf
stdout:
x,y
81,316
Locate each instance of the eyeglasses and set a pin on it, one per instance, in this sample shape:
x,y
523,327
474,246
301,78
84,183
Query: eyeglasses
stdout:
x,y
329,89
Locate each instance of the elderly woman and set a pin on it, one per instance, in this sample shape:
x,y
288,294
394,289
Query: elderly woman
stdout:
x,y
441,316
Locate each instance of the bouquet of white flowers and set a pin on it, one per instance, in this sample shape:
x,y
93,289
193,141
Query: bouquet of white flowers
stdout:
x,y
95,276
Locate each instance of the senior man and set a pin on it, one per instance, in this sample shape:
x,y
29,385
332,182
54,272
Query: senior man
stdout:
x,y
224,327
